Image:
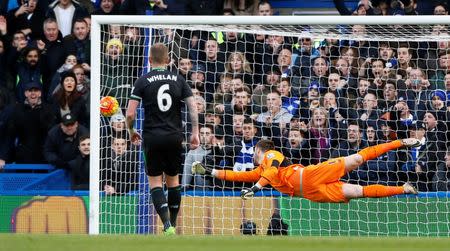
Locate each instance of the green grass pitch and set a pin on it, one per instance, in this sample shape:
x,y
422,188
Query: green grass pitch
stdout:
x,y
17,242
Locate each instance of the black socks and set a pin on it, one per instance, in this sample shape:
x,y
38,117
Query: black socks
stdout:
x,y
161,206
174,200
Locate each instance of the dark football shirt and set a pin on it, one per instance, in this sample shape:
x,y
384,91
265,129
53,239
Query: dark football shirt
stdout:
x,y
161,93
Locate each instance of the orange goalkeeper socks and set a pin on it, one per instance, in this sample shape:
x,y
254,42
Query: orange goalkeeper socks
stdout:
x,y
373,152
378,191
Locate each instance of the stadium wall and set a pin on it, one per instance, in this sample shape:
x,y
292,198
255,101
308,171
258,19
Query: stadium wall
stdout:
x,y
402,216
223,215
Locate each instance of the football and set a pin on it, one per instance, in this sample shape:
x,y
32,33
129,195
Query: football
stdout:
x,y
108,106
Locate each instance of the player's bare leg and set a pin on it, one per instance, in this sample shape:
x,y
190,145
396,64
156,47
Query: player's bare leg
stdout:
x,y
355,160
160,202
352,191
173,197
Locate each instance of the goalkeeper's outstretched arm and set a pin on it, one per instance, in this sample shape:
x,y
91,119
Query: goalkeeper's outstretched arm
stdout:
x,y
249,176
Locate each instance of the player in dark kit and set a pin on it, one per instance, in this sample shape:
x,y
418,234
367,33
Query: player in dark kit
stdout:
x,y
162,93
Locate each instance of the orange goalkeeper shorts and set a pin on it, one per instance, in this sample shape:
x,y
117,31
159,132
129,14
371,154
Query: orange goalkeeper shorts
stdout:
x,y
321,182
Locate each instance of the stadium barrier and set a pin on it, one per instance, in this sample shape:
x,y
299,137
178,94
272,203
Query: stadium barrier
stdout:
x,y
205,213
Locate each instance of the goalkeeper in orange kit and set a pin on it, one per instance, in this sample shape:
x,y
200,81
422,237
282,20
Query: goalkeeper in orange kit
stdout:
x,y
319,183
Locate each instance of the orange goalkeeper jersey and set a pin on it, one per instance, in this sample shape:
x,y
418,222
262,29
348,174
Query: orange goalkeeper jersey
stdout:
x,y
275,168
319,183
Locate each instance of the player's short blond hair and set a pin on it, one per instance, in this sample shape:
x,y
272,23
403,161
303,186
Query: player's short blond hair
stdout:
x,y
159,53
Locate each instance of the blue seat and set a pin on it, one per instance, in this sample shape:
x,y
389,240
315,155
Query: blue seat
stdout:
x,y
27,177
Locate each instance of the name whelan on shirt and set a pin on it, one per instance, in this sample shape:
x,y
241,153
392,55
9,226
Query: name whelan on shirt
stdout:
x,y
161,77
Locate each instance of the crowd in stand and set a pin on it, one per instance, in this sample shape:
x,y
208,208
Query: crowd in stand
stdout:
x,y
315,99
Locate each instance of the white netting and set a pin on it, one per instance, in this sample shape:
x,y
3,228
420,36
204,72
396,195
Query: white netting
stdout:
x,y
340,89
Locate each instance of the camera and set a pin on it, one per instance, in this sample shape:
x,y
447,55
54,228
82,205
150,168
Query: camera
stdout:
x,y
26,2
416,82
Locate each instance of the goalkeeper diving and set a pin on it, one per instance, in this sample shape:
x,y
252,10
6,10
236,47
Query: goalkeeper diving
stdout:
x,y
318,183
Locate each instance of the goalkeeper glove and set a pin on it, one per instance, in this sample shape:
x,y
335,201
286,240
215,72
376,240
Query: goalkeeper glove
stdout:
x,y
198,168
249,192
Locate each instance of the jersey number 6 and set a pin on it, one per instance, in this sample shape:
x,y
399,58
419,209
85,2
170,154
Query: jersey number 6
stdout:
x,y
164,99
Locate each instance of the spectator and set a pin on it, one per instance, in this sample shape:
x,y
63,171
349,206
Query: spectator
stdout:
x,y
339,88
275,119
265,8
52,52
230,42
356,98
133,46
70,61
18,44
116,128
271,80
3,55
318,76
352,145
347,77
441,181
5,113
107,7
288,102
351,54
310,101
364,7
61,145
285,67
405,62
319,134
401,118
440,9
79,44
217,157
437,81
66,12
198,154
79,167
134,7
237,65
433,151
304,56
119,169
26,18
234,131
365,48
29,70
213,118
241,104
68,100
241,150
390,95
29,124
370,113
197,79
383,169
297,147
438,103
83,85
223,93
116,73
418,91
184,67
372,68
213,65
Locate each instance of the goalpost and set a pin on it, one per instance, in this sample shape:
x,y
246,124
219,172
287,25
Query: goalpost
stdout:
x,y
212,209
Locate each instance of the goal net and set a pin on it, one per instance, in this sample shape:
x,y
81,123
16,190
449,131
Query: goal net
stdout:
x,y
318,87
